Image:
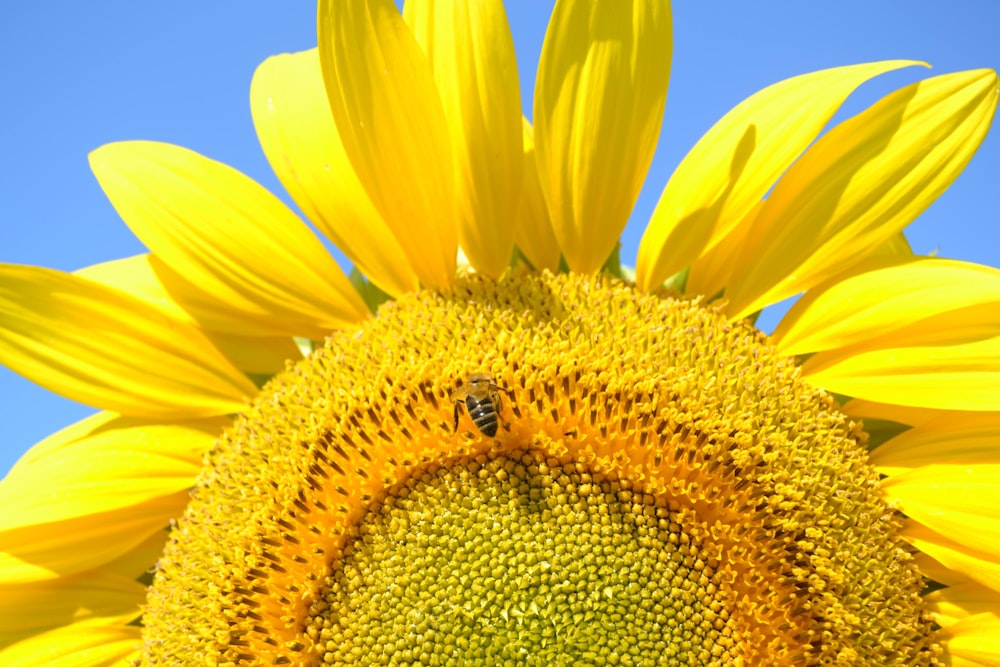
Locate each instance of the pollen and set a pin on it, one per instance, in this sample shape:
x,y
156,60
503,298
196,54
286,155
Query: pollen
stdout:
x,y
662,488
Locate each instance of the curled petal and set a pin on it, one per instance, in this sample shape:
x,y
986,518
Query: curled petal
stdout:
x,y
860,184
735,164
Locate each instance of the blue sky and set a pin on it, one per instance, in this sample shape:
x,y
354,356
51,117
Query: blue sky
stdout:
x,y
77,75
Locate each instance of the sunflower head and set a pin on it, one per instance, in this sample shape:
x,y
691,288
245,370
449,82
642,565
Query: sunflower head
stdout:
x,y
492,443
660,483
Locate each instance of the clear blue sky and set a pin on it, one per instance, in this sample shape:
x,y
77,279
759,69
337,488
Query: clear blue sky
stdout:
x,y
77,75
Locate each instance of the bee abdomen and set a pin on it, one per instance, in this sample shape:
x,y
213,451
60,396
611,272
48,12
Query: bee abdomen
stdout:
x,y
484,416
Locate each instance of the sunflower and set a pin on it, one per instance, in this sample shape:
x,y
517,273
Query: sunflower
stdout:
x,y
533,455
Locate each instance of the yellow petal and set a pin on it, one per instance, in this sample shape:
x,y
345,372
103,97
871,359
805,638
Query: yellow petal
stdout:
x,y
27,609
66,437
955,661
393,128
975,565
111,485
903,414
226,235
967,440
896,246
471,52
103,347
861,183
137,275
976,639
960,502
265,355
63,548
735,164
123,462
91,643
599,97
141,559
187,439
954,603
883,301
960,376
532,228
292,117
935,571
713,270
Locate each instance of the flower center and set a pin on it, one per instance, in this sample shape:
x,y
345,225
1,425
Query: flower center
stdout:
x,y
522,558
660,488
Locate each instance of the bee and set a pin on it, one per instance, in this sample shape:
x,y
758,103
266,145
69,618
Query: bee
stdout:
x,y
481,396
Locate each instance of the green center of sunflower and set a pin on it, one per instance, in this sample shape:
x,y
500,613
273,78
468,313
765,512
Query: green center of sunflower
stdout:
x,y
525,559
660,488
